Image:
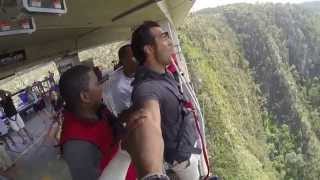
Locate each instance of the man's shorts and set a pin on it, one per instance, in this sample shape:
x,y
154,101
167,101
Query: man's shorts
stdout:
x,y
16,122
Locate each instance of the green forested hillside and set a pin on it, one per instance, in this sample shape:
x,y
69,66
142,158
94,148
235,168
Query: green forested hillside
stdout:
x,y
257,69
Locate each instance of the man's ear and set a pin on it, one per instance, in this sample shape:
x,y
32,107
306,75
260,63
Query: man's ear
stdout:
x,y
148,49
84,97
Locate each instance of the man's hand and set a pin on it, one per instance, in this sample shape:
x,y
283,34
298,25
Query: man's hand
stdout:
x,y
132,119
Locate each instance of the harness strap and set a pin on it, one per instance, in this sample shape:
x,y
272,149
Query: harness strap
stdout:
x,y
205,153
189,105
192,150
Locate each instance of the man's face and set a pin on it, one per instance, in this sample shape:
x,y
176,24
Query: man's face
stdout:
x,y
94,91
163,45
4,95
128,62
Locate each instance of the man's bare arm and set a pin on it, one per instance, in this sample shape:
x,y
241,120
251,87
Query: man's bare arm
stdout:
x,y
145,143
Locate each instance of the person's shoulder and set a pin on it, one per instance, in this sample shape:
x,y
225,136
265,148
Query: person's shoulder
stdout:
x,y
115,78
148,90
117,74
147,85
80,146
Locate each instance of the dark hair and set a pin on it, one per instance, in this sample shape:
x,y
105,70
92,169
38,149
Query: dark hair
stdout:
x,y
71,83
123,51
98,72
140,37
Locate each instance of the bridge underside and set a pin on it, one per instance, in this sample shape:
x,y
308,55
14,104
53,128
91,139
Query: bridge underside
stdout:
x,y
84,25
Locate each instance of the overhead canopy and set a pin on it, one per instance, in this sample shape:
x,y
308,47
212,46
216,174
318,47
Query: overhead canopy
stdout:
x,y
86,24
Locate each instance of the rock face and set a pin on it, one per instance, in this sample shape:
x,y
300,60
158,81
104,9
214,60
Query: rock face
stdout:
x,y
257,71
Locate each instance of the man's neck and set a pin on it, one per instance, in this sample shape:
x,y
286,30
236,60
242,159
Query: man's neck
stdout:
x,y
154,66
128,73
87,114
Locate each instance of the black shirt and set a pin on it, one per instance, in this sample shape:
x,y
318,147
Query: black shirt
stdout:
x,y
8,106
57,104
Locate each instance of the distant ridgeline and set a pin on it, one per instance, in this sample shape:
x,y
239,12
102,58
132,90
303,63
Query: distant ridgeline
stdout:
x,y
256,69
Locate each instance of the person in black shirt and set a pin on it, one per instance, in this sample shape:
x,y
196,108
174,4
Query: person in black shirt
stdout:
x,y
56,110
15,120
57,104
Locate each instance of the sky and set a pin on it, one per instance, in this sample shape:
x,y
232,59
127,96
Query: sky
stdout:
x,y
200,4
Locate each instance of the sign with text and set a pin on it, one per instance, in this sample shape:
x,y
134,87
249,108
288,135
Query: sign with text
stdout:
x,y
45,6
20,25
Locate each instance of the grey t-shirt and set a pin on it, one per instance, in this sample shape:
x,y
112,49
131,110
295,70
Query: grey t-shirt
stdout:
x,y
84,164
177,124
155,90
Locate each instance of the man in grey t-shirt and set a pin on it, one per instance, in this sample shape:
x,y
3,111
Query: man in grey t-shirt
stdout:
x,y
168,133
